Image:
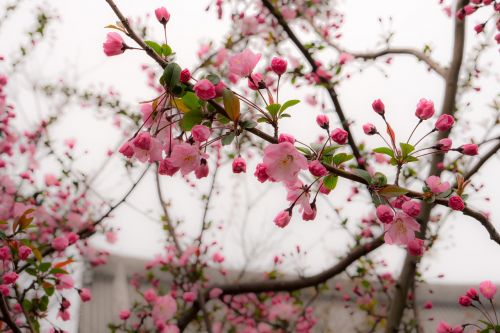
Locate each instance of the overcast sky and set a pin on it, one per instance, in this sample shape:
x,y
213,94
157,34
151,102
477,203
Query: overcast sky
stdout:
x,y
75,54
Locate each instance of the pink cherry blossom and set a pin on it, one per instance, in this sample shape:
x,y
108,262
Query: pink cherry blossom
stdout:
x,y
185,157
9,277
465,301
283,137
124,314
416,247
200,133
317,169
162,15
85,294
204,89
278,65
369,129
385,214
185,75
113,45
444,144
239,165
164,308
444,122
436,186
411,208
401,230
339,136
425,109
378,106
443,327
469,149
60,243
488,289
283,162
261,172
242,64
456,203
282,219
323,121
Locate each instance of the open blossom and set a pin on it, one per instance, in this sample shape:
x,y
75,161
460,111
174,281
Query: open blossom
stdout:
x,y
283,162
402,230
114,44
278,65
488,289
385,214
239,165
339,136
378,106
164,308
185,157
425,109
200,133
436,186
443,327
167,168
204,89
282,219
456,203
243,63
162,15
444,122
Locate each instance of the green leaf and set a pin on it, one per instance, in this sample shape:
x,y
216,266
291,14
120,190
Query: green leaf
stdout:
x,y
341,158
155,46
330,150
273,109
228,139
409,159
190,119
191,101
288,104
166,50
304,150
58,271
384,150
392,191
44,302
330,181
171,75
379,179
406,148
49,290
44,266
262,120
363,174
248,124
27,305
213,78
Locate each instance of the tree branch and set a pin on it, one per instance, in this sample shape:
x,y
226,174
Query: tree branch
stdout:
x,y
328,85
285,285
6,315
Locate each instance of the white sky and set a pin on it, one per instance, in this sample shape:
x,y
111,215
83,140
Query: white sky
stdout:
x,y
465,254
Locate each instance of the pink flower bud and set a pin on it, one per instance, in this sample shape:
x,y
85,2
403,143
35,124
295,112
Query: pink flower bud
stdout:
x,y
472,293
24,252
444,144
215,293
456,203
369,129
411,208
124,314
399,201
469,9
260,173
85,294
339,136
425,109
286,138
385,214
127,150
185,75
201,171
444,122
479,28
464,301
428,305
200,133
5,253
204,89
278,65
415,247
113,45
189,296
378,106
167,168
239,165
282,219
469,149
317,169
10,277
150,295
323,121
309,214
256,81
162,15
142,141
488,289
60,243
